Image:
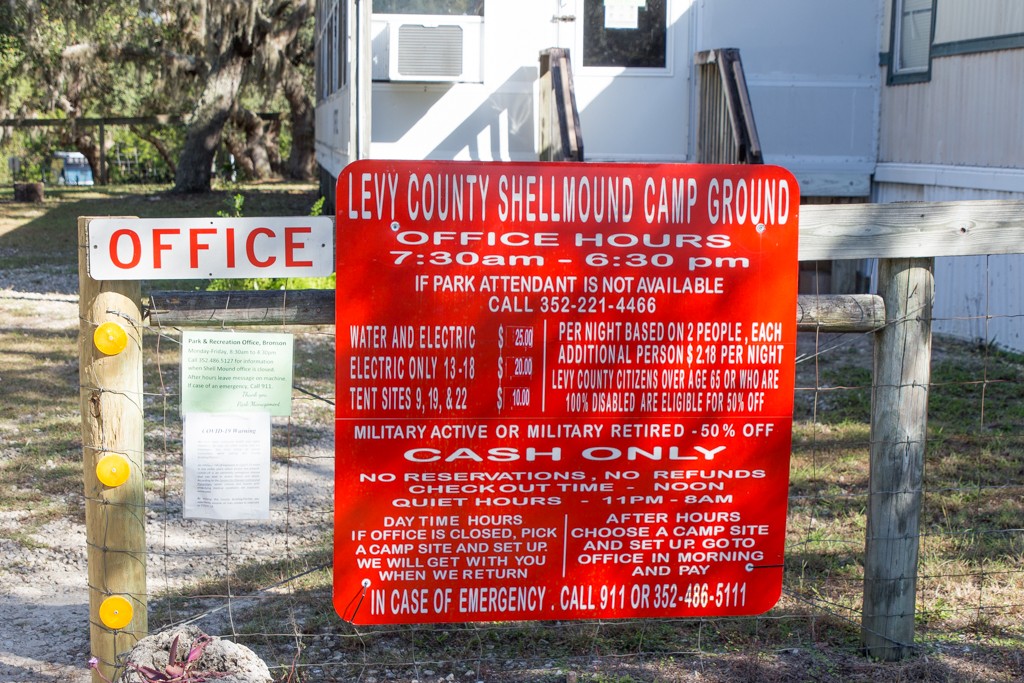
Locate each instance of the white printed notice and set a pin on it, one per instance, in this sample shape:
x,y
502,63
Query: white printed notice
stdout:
x,y
227,466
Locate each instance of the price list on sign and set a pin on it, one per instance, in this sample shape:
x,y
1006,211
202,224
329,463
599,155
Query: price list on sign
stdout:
x,y
564,391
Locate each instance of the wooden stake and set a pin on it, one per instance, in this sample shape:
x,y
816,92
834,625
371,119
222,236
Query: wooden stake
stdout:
x,y
899,412
111,404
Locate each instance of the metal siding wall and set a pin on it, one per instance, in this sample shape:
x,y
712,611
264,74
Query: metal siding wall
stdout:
x,y
886,34
332,138
815,98
971,19
979,298
968,114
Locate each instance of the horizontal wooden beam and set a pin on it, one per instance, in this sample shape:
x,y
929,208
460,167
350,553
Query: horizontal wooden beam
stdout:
x,y
827,232
273,307
837,232
839,312
911,229
831,313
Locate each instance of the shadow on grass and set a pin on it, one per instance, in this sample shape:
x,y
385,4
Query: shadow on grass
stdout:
x,y
39,416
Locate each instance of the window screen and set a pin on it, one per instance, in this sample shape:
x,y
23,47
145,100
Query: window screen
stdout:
x,y
913,35
629,33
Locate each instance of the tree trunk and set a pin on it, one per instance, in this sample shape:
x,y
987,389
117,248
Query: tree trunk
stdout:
x,y
159,145
236,148
204,132
88,146
301,163
272,145
29,192
253,153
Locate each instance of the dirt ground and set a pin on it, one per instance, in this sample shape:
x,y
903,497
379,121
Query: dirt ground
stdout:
x,y
44,633
43,601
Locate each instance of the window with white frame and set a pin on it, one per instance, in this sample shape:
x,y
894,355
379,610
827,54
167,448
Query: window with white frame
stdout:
x,y
911,37
331,49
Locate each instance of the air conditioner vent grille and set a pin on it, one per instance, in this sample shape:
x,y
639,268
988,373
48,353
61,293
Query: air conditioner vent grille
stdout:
x,y
430,50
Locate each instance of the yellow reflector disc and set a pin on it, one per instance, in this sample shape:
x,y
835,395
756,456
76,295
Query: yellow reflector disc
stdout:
x,y
110,338
113,469
116,612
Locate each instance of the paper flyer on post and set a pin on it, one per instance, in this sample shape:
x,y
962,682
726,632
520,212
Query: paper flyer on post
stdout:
x,y
227,466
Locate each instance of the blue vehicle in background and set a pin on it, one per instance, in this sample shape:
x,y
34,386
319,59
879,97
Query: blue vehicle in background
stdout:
x,y
72,168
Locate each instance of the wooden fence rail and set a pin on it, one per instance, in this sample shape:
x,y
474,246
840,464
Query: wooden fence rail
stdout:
x,y
831,313
905,237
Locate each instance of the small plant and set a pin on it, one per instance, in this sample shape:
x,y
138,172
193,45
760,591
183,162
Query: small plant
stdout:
x,y
235,203
176,671
318,207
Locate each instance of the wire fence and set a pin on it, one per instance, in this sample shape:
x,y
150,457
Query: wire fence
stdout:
x,y
267,584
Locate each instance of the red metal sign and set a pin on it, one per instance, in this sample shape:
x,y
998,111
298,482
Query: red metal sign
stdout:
x,y
564,390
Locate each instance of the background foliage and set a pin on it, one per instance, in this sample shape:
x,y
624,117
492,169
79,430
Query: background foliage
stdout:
x,y
210,65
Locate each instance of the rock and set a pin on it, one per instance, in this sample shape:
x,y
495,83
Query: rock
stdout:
x,y
220,656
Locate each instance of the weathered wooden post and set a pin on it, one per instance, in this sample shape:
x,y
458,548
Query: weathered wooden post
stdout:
x,y
115,514
899,412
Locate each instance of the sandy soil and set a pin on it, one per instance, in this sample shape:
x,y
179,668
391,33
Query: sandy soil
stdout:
x,y
44,613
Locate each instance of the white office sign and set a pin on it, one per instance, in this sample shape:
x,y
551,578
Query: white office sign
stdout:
x,y
201,248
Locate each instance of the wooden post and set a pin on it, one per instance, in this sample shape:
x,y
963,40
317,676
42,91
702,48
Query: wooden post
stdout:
x,y
29,192
544,108
103,155
111,404
899,411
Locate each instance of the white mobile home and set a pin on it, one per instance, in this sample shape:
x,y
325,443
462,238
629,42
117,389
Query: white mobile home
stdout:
x,y
458,79
952,128
862,100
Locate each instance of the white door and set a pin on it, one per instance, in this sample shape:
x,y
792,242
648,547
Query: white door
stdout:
x,y
632,63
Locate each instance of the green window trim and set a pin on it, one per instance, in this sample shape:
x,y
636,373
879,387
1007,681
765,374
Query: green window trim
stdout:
x,y
900,11
956,48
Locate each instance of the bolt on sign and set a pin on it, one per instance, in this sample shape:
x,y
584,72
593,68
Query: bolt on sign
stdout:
x,y
565,391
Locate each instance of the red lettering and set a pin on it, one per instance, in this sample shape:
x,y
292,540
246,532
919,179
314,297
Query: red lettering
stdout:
x,y
136,248
194,246
231,247
290,245
159,247
251,252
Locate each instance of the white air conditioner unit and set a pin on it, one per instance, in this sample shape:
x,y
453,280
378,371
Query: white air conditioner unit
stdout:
x,y
427,48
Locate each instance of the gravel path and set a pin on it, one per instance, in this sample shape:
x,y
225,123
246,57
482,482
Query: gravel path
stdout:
x,y
44,613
